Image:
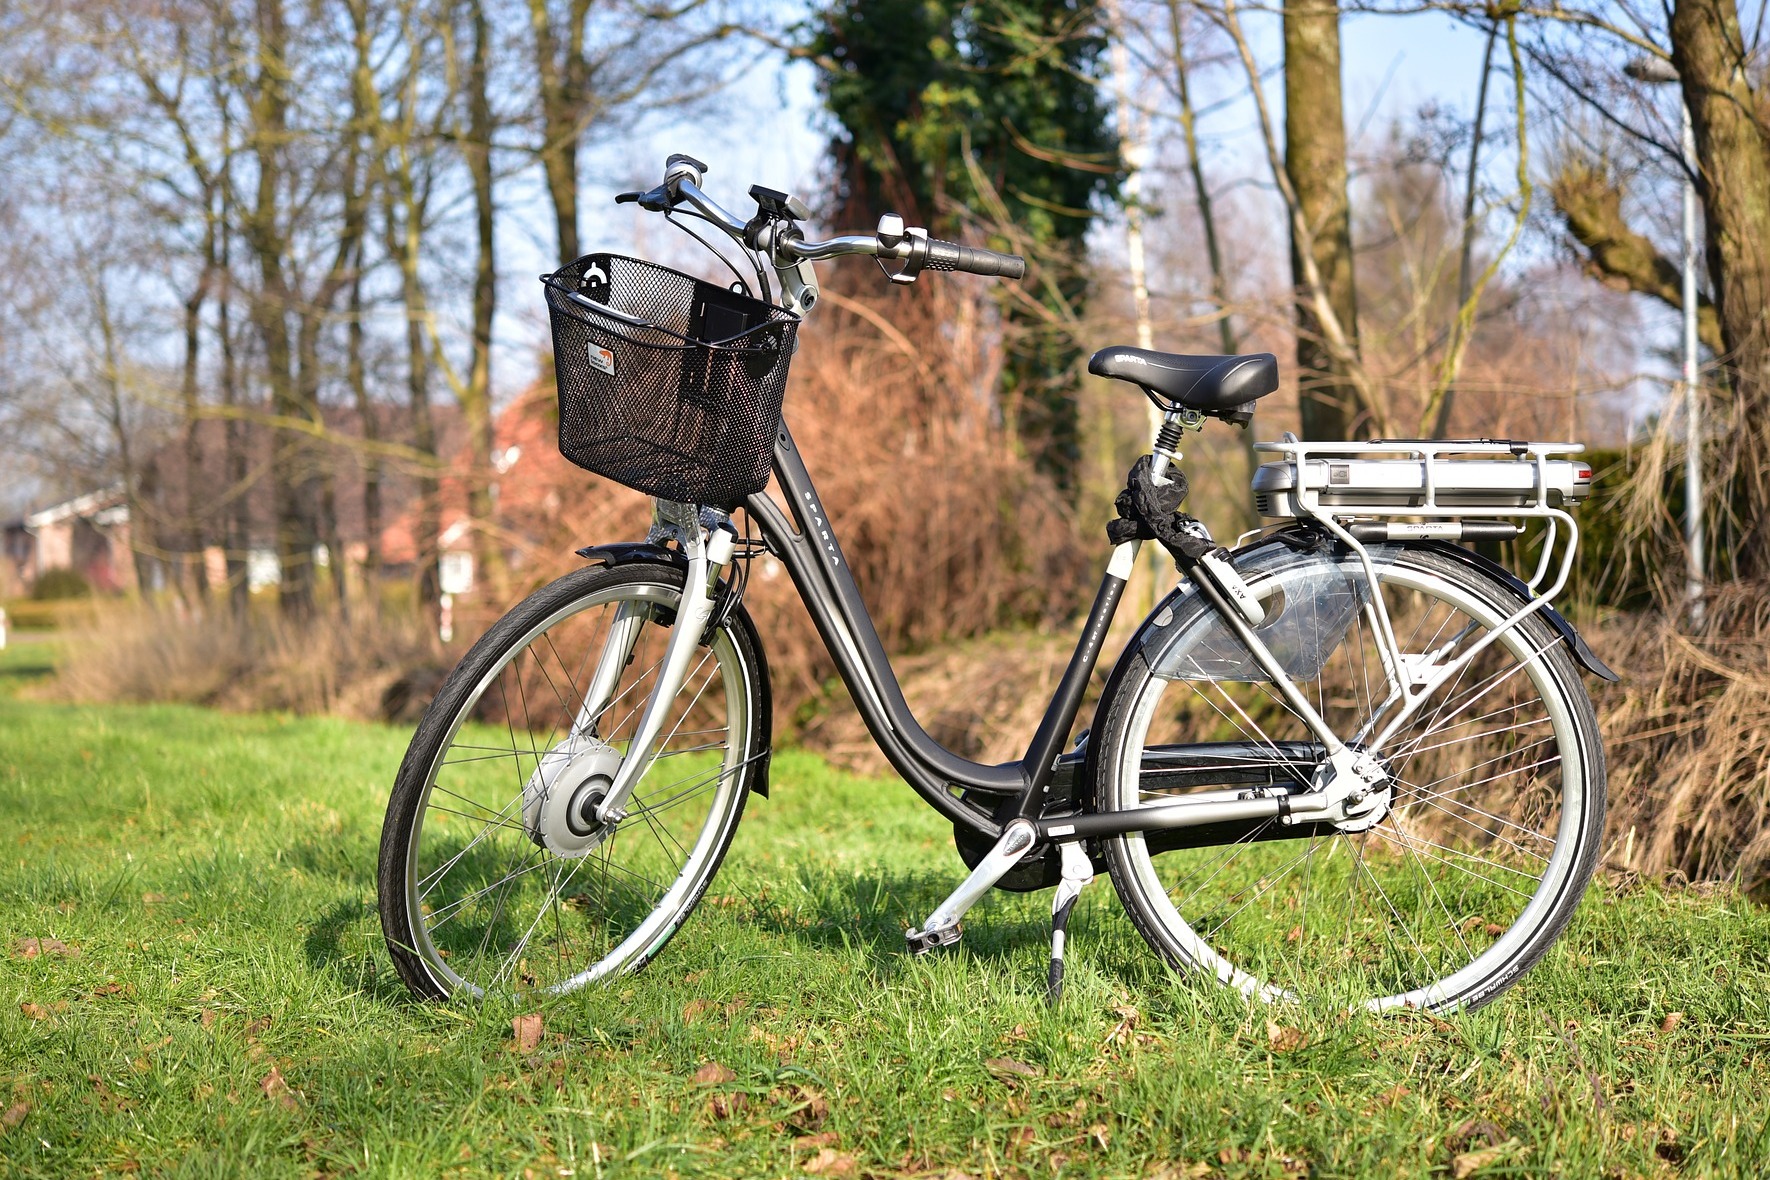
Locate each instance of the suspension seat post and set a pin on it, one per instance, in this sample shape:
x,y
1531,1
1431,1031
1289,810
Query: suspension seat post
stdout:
x,y
1167,446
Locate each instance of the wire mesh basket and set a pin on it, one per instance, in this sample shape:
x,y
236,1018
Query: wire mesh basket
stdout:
x,y
667,384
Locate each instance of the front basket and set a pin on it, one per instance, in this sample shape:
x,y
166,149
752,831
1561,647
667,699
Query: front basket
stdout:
x,y
667,384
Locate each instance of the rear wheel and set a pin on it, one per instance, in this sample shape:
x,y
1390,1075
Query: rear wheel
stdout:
x,y
1490,825
494,874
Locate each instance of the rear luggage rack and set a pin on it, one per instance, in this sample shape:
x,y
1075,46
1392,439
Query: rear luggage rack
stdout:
x,y
1357,490
1421,477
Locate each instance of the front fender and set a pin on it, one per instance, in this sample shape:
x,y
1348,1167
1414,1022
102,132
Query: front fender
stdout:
x,y
628,552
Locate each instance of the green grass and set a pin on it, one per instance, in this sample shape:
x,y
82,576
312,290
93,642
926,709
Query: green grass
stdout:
x,y
215,874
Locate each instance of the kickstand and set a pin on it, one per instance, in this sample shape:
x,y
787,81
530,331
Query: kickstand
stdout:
x,y
1078,870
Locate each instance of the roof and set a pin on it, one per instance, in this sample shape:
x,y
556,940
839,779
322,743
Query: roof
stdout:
x,y
92,504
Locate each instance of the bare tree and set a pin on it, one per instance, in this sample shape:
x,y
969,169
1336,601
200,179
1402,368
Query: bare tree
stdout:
x,y
616,60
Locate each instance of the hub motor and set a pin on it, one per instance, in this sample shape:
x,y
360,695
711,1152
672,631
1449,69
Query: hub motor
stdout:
x,y
560,800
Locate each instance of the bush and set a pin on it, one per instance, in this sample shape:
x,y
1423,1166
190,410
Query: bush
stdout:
x,y
348,667
62,583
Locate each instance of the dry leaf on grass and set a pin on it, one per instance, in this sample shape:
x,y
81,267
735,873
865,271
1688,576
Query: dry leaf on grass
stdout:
x,y
30,948
15,1114
811,1108
1099,1135
276,1089
1393,1095
1470,1162
1282,1038
1195,1170
713,1074
695,1009
1008,1070
821,1139
527,1030
727,1106
829,1162
1672,1020
34,1011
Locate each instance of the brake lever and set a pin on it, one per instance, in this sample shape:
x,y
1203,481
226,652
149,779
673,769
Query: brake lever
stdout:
x,y
654,201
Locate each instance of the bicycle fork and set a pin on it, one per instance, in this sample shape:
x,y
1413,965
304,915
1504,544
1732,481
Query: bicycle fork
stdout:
x,y
707,557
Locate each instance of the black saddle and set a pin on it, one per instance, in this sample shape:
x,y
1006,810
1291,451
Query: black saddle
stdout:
x,y
1222,386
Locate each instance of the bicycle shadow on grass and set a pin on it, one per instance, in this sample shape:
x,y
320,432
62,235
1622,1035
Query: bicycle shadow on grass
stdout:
x,y
344,943
838,910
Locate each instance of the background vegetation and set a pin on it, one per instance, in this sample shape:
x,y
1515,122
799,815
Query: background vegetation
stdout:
x,y
256,288
194,985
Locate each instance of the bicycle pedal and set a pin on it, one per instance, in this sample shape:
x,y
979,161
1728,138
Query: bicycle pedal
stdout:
x,y
921,942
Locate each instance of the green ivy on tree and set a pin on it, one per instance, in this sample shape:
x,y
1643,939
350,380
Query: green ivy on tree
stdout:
x,y
954,112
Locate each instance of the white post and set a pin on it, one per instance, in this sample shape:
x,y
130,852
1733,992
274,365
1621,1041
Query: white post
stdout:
x,y
1136,153
1693,507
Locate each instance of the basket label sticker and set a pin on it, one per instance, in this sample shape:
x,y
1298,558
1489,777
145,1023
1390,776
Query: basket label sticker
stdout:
x,y
603,359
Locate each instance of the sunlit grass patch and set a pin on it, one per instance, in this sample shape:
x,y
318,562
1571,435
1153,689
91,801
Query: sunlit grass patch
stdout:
x,y
206,993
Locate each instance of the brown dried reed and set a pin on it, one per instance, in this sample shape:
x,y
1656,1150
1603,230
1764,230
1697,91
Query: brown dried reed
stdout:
x,y
354,668
1687,735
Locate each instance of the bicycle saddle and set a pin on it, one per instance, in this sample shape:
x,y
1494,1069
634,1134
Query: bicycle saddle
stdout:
x,y
1222,386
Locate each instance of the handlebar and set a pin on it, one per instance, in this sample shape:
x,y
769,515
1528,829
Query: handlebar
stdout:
x,y
974,260
780,237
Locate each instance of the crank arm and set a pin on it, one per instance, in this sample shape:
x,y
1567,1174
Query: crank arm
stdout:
x,y
942,927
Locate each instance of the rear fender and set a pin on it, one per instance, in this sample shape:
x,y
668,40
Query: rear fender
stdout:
x,y
1310,539
1582,651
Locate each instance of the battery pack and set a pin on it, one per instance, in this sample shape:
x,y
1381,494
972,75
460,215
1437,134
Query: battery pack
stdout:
x,y
1421,476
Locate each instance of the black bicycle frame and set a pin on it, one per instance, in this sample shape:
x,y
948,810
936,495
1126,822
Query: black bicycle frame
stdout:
x,y
808,547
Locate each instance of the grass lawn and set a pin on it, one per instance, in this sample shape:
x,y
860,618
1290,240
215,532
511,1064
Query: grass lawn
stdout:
x,y
216,1000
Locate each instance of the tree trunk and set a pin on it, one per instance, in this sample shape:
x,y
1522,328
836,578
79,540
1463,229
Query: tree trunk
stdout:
x,y
193,578
476,400
1315,162
290,465
237,516
405,216
366,112
563,83
371,428
1708,50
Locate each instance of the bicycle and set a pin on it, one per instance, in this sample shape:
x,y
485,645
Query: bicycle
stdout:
x,y
1351,760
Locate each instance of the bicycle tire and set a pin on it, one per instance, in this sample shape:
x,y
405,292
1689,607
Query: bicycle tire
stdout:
x,y
1249,923
623,916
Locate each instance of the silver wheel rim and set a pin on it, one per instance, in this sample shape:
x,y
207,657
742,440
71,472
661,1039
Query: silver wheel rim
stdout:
x,y
719,783
1199,951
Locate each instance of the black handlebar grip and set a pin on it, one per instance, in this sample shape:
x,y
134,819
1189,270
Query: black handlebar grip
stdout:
x,y
973,260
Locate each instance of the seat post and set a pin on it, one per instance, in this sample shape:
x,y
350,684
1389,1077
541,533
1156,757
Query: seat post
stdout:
x,y
1167,446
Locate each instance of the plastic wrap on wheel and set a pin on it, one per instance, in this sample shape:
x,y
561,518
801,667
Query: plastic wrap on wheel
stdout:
x,y
1311,600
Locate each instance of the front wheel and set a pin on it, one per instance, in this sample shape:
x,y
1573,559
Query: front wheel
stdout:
x,y
1490,815
494,872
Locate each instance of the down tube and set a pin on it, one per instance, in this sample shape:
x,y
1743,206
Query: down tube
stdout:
x,y
843,648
